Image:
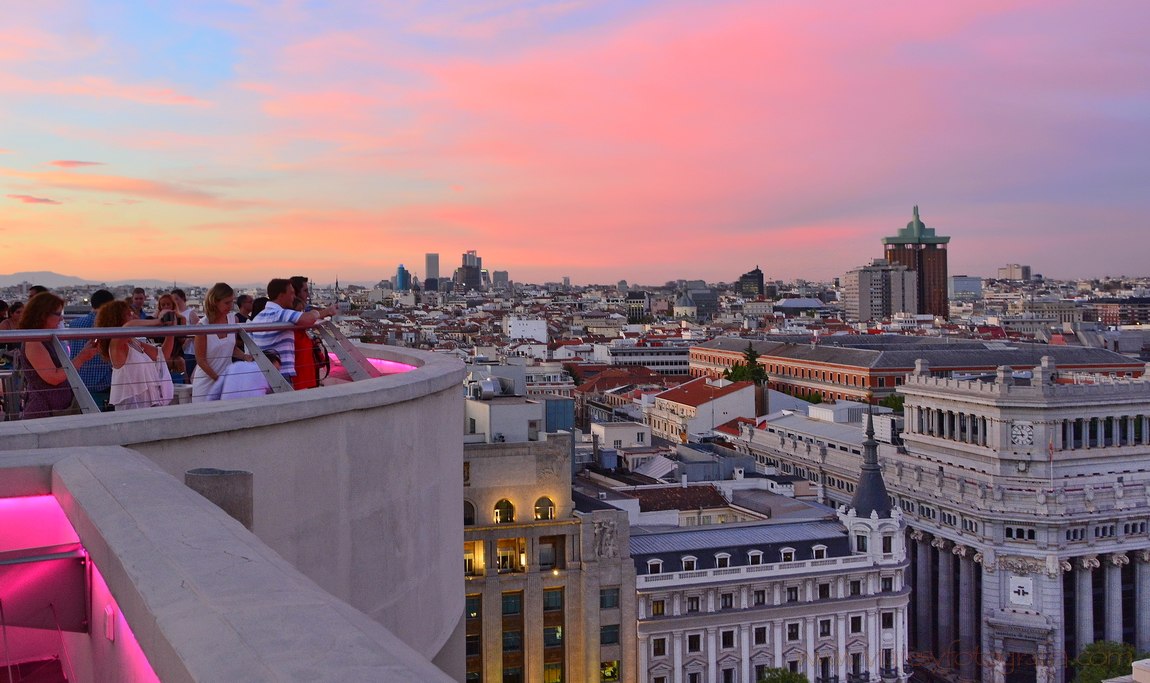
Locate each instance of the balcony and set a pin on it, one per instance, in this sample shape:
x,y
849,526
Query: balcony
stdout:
x,y
743,572
342,549
860,677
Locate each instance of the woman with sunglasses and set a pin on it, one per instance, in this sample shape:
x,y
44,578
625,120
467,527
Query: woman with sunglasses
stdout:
x,y
46,386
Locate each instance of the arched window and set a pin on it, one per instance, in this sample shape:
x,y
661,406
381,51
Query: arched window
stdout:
x,y
504,512
544,508
468,513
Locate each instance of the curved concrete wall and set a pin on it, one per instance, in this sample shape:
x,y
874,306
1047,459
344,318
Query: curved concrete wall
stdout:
x,y
356,485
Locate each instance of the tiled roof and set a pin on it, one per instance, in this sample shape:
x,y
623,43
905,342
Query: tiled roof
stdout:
x,y
699,391
679,498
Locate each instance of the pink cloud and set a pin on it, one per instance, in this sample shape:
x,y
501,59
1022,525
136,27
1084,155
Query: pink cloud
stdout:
x,y
68,163
135,187
98,87
28,199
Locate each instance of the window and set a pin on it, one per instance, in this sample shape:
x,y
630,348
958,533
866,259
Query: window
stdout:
x,y
512,641
760,634
760,597
887,544
860,543
693,603
856,587
504,512
728,676
474,607
689,564
824,628
609,671
888,620
722,560
474,645
511,555
761,671
694,643
512,603
551,552
552,599
726,639
553,636
793,665
544,508
727,601
694,677
609,634
472,552
819,552
658,647
792,594
787,554
553,672
755,557
792,631
513,674
608,598
468,513
887,584
640,437
824,591
856,623
856,663
654,566
658,608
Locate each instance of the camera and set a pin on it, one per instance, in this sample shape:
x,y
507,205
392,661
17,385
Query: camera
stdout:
x,y
168,318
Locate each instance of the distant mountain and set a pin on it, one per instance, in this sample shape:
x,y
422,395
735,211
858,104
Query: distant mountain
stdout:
x,y
52,280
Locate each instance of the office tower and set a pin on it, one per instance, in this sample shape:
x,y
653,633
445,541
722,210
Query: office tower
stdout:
x,y
402,279
919,249
751,284
470,273
500,279
878,291
1014,271
430,266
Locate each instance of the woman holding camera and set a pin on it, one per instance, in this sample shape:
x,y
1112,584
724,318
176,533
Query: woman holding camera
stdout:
x,y
139,374
168,312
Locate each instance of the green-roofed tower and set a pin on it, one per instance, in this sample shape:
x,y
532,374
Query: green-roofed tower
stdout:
x,y
919,249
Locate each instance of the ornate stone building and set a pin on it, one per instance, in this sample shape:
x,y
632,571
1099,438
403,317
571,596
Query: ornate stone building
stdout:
x,y
1028,503
550,585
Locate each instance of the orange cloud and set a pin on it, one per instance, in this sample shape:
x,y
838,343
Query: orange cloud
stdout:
x,y
28,199
135,187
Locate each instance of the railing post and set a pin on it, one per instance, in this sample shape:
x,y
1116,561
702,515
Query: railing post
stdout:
x,y
79,389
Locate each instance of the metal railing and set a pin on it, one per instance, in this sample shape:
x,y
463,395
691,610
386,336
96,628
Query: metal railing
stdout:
x,y
15,394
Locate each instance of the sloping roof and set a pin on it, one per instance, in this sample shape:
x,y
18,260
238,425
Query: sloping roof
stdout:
x,y
733,535
698,392
679,498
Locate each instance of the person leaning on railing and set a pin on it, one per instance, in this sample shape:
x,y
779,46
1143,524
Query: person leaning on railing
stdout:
x,y
46,388
140,377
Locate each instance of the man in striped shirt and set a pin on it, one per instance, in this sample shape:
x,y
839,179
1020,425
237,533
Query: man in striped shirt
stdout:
x,y
279,310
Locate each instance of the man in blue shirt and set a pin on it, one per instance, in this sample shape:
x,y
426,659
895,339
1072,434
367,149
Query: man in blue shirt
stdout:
x,y
279,310
97,372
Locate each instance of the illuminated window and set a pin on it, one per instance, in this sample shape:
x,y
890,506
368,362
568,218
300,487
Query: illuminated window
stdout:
x,y
544,508
473,558
553,672
511,554
504,512
553,636
474,606
787,554
609,671
658,608
468,513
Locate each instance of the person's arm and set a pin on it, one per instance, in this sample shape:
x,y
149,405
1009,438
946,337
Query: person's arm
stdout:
x,y
314,315
150,350
41,361
201,344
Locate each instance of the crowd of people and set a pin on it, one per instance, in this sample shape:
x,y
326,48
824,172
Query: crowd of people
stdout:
x,y
130,372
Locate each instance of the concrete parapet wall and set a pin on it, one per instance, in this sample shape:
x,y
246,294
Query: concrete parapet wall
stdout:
x,y
356,485
205,599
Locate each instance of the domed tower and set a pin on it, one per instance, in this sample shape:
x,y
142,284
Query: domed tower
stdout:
x,y
877,532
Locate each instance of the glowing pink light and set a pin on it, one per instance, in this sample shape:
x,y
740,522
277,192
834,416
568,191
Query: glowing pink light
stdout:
x,y
33,522
385,367
130,659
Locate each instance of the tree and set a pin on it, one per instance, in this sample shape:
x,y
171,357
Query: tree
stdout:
x,y
747,370
1104,659
781,676
894,402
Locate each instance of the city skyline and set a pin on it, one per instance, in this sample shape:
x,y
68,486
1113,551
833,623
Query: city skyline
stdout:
x,y
231,142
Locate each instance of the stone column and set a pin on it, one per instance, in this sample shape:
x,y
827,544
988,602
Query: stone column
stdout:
x,y
1085,601
1129,419
712,656
1114,596
945,600
1142,597
677,646
1100,432
923,593
967,646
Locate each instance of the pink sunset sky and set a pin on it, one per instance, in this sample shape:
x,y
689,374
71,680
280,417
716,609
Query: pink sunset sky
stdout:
x,y
607,140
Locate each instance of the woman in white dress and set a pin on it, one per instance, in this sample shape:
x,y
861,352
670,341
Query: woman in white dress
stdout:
x,y
140,376
214,352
